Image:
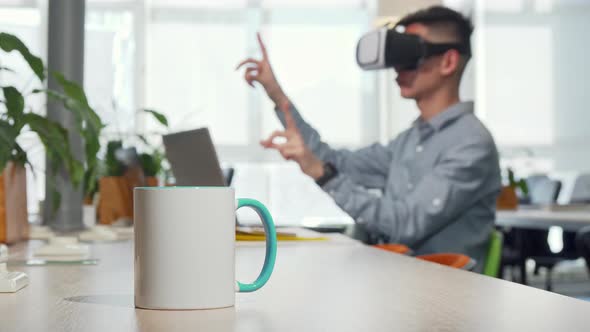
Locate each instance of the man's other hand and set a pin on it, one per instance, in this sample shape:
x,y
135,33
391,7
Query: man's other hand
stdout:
x,y
294,148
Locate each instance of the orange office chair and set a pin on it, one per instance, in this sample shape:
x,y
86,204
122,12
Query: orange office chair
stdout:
x,y
394,247
458,261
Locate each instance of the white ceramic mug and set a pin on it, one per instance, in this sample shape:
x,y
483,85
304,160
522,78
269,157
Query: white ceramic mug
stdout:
x,y
184,247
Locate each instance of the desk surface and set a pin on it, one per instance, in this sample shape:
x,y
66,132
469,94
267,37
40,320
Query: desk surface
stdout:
x,y
315,287
543,219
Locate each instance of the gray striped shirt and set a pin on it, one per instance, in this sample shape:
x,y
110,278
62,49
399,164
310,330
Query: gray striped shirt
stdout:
x,y
439,181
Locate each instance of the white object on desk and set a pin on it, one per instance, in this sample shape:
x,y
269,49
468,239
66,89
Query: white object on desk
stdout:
x,y
89,215
124,233
3,252
11,282
99,233
63,246
37,232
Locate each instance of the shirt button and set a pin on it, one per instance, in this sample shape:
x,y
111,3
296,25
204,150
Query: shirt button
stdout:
x,y
419,148
360,220
410,186
331,192
436,202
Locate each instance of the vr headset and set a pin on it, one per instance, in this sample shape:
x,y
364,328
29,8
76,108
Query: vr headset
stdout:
x,y
387,48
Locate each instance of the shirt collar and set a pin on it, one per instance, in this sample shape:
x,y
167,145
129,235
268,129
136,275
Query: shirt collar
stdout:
x,y
449,115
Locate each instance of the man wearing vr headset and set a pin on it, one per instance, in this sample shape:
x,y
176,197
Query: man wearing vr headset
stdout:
x,y
439,178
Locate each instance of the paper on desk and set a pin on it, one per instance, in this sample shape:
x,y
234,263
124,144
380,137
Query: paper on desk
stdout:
x,y
41,262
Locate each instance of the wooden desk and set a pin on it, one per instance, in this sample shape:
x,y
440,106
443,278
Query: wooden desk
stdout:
x,y
315,287
543,219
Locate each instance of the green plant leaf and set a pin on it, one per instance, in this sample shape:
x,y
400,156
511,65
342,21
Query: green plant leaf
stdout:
x,y
15,103
91,177
57,146
10,43
88,123
8,134
148,164
19,156
113,166
143,139
152,164
161,118
511,180
523,186
71,89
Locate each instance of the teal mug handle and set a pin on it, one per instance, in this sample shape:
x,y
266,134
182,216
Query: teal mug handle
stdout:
x,y
271,245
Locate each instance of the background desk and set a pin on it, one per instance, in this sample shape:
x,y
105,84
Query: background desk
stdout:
x,y
315,287
543,219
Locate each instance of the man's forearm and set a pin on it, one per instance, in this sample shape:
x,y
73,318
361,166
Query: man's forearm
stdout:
x,y
277,96
314,170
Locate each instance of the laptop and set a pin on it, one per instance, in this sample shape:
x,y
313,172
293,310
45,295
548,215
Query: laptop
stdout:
x,y
193,158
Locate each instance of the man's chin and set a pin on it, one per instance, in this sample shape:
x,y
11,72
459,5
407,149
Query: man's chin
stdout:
x,y
406,93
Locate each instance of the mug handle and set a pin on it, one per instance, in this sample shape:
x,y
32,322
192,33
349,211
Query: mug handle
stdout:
x,y
271,245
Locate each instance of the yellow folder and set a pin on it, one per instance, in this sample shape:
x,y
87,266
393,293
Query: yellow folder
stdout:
x,y
248,234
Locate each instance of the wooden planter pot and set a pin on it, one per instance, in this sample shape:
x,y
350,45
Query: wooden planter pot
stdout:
x,y
151,181
507,200
116,197
14,223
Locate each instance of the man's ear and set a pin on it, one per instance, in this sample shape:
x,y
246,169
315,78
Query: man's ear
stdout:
x,y
450,62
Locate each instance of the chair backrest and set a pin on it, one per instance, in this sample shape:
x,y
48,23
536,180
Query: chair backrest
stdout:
x,y
581,190
544,191
492,263
395,248
583,244
458,261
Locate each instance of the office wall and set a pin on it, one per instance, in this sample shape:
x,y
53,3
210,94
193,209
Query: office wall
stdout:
x,y
536,73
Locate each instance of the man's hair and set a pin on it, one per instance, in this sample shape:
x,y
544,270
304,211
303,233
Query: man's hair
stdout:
x,y
439,17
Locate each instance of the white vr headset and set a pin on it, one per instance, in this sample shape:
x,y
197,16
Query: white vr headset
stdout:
x,y
387,48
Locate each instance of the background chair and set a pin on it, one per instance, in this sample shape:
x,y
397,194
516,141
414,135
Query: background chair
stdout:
x,y
493,260
532,244
581,190
458,261
395,248
541,191
583,245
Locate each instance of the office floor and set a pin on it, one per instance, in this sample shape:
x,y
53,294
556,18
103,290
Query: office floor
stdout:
x,y
569,278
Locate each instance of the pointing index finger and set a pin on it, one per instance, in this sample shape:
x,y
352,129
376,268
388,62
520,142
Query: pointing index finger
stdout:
x,y
262,47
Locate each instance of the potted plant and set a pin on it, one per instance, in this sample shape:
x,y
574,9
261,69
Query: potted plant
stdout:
x,y
115,196
19,118
508,199
152,163
118,180
152,166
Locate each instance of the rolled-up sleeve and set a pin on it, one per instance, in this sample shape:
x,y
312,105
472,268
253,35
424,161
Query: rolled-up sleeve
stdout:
x,y
458,181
